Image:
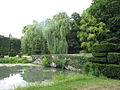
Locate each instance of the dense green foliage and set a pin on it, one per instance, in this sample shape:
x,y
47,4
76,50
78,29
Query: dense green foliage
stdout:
x,y
63,61
72,39
107,65
113,58
109,70
9,46
108,12
45,61
14,60
4,46
33,41
106,47
99,54
56,31
15,46
98,59
91,32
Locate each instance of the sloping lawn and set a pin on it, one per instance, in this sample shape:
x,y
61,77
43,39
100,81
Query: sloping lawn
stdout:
x,y
78,82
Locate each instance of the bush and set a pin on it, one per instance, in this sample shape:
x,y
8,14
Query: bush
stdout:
x,y
60,62
106,47
98,60
14,60
108,70
99,54
113,58
47,60
74,61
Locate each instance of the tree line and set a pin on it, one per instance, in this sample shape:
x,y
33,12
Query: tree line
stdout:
x,y
62,34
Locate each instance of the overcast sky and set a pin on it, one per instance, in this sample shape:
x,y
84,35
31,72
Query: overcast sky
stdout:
x,y
14,14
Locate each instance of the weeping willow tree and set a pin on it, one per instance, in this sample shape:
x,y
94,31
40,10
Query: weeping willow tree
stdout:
x,y
55,32
33,41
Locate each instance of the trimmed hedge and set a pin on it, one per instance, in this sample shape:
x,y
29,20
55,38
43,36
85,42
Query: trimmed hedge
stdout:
x,y
108,70
113,58
99,54
106,47
98,60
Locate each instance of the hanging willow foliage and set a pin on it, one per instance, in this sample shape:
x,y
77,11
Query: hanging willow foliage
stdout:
x,y
55,33
33,41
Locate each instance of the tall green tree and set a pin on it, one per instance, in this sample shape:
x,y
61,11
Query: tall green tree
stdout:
x,y
56,31
91,32
72,39
108,12
33,41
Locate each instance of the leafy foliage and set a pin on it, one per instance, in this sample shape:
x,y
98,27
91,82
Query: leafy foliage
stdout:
x,y
14,60
33,41
108,70
55,33
72,39
91,32
108,12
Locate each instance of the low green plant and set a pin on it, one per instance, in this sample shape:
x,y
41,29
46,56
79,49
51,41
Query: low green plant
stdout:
x,y
45,61
60,62
14,60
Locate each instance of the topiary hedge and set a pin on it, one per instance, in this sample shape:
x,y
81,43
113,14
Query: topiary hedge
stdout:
x,y
113,58
98,59
106,47
108,70
99,54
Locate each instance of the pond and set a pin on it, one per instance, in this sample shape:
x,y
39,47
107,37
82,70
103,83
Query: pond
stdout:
x,y
18,75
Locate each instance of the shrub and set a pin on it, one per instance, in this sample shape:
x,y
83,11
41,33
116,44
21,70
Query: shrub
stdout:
x,y
98,59
86,68
108,70
74,61
106,47
99,54
60,62
14,60
47,59
45,62
114,58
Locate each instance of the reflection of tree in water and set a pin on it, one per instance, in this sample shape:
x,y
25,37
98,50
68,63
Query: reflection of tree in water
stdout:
x,y
37,74
31,73
6,71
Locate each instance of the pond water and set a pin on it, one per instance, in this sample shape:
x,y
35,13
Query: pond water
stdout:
x,y
18,75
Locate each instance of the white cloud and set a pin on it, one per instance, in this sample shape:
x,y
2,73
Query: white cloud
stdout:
x,y
14,14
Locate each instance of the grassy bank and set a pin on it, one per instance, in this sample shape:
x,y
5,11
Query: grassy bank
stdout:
x,y
14,60
78,82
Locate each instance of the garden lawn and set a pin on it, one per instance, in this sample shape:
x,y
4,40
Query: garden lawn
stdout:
x,y
78,82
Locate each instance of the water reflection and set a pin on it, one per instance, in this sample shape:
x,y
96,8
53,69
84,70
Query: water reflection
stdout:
x,y
12,81
14,76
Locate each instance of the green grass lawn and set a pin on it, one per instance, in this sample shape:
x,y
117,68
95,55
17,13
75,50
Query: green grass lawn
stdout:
x,y
78,82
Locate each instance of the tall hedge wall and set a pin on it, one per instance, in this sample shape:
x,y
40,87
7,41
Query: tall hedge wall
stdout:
x,y
4,45
9,46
